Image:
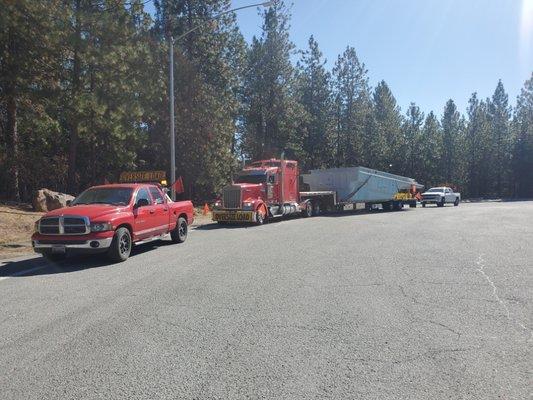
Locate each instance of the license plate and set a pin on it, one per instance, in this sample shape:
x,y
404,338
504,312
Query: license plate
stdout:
x,y
239,216
59,249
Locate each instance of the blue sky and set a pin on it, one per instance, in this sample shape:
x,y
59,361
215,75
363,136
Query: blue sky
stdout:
x,y
428,51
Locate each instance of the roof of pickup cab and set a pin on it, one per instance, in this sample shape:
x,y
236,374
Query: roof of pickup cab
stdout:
x,y
125,185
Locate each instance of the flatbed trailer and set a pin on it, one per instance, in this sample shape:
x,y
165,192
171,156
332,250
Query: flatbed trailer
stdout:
x,y
358,188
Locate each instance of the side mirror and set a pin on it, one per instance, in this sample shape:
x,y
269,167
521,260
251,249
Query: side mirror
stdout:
x,y
142,203
69,202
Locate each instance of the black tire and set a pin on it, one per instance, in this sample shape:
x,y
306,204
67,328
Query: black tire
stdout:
x,y
259,219
179,233
308,212
54,257
423,204
316,209
456,202
121,245
441,202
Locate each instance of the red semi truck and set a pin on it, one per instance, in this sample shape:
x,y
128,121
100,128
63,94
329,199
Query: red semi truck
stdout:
x,y
271,188
110,219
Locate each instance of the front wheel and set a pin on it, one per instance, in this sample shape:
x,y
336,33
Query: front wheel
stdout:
x,y
120,248
441,202
179,233
423,204
259,218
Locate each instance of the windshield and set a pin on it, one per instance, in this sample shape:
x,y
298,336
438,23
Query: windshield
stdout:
x,y
250,178
114,196
435,190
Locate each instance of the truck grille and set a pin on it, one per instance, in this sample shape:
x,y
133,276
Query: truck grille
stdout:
x,y
64,226
231,196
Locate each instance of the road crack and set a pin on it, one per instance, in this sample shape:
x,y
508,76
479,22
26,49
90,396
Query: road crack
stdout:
x,y
481,269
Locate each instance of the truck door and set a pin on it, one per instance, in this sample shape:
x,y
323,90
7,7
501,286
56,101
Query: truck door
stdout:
x,y
142,214
449,195
161,215
271,180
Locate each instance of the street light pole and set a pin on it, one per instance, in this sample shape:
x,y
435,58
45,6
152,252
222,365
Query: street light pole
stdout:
x,y
172,131
171,89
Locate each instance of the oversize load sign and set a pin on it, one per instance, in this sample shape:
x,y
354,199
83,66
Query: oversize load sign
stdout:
x,y
233,216
143,176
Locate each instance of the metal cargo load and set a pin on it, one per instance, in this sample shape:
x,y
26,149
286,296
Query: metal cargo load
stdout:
x,y
358,184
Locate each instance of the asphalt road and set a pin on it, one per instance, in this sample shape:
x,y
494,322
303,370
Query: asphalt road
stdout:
x,y
431,303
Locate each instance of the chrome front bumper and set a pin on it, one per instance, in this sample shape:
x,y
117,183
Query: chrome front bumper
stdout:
x,y
89,244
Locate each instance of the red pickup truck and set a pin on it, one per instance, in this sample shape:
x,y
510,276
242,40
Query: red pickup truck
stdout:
x,y
110,219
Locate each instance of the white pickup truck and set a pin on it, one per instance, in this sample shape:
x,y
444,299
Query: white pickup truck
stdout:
x,y
440,196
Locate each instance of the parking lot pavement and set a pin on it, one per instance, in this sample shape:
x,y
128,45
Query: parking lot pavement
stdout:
x,y
432,303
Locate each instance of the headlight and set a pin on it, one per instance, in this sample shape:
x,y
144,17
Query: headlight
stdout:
x,y
247,205
217,204
101,227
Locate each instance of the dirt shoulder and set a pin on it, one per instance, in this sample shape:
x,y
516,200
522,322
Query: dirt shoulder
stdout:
x,y
16,227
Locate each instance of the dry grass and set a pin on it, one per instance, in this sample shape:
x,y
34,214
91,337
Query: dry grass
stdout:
x,y
16,227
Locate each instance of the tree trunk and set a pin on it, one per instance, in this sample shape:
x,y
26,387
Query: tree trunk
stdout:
x,y
13,136
74,138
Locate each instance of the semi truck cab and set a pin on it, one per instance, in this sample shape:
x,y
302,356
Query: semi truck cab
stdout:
x,y
264,189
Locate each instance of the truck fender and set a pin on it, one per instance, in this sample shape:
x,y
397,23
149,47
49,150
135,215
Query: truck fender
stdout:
x,y
261,207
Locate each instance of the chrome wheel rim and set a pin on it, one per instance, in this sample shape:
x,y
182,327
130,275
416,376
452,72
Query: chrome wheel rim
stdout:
x,y
124,244
182,231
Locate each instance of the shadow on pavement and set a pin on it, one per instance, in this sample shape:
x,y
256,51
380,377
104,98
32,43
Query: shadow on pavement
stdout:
x,y
41,266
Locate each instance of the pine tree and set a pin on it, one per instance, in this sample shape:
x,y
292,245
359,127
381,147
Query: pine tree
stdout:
x,y
388,120
452,130
411,130
314,93
273,119
351,108
523,147
28,68
500,113
208,64
428,169
477,148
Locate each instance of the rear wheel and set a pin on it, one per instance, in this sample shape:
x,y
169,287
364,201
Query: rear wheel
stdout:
x,y
456,202
120,248
316,209
179,234
423,204
308,212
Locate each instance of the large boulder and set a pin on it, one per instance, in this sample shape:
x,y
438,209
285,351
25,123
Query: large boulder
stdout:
x,y
47,200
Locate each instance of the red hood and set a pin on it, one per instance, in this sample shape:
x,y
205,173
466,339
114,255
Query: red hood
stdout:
x,y
251,190
94,211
